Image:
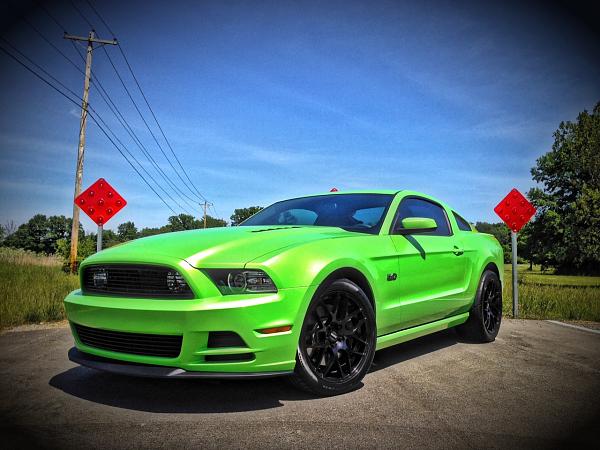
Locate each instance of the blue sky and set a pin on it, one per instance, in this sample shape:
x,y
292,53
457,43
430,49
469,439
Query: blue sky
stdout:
x,y
271,100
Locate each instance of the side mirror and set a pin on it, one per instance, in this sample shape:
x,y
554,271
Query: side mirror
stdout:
x,y
414,225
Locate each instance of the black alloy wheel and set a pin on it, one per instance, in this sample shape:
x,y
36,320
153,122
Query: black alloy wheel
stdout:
x,y
338,339
485,315
491,304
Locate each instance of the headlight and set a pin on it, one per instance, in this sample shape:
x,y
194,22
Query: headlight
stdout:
x,y
239,281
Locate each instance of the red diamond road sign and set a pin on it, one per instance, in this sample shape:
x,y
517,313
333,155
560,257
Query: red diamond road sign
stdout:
x,y
100,202
515,210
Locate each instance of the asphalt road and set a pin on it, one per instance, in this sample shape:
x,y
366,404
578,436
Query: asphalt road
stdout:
x,y
538,386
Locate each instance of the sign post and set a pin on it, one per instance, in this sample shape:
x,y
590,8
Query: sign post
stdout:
x,y
100,202
515,210
99,239
515,289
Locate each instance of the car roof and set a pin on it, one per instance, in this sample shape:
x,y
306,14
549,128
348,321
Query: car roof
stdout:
x,y
385,191
359,191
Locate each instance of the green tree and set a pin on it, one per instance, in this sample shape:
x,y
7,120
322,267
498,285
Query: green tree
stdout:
x,y
109,238
183,222
58,227
566,230
501,232
127,231
30,235
40,234
213,222
145,232
241,214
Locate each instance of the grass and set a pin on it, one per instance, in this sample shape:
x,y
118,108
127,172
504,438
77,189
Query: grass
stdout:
x,y
33,288
548,296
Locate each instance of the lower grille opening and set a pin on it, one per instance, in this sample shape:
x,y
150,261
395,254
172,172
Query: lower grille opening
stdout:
x,y
220,339
165,346
230,358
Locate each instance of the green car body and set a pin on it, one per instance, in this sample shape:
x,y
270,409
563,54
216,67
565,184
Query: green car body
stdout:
x,y
417,284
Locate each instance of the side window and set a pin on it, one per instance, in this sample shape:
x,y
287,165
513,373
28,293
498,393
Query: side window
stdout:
x,y
462,223
369,216
418,207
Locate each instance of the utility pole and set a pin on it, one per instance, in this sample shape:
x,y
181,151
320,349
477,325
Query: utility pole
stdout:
x,y
515,274
91,39
206,205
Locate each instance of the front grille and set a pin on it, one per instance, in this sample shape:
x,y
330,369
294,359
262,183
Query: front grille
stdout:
x,y
140,281
166,346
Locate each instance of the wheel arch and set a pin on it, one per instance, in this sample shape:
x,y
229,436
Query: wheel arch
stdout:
x,y
493,267
354,275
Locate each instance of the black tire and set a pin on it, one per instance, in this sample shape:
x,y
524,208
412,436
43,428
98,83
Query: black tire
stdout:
x,y
337,341
485,315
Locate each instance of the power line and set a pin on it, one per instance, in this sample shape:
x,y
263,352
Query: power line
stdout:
x,y
43,8
158,124
146,101
39,67
93,117
50,43
81,14
144,120
114,109
121,119
100,17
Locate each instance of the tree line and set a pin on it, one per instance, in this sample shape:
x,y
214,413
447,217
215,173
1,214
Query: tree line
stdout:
x,y
563,235
52,235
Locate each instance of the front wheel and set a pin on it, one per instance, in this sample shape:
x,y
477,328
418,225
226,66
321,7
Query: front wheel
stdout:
x,y
337,341
486,313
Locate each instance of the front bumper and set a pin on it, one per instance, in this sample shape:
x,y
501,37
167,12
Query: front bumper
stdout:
x,y
194,320
148,371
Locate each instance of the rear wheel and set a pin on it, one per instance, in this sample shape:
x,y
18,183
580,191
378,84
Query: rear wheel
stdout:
x,y
337,341
486,313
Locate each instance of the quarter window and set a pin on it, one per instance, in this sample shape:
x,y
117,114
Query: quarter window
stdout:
x,y
418,207
462,223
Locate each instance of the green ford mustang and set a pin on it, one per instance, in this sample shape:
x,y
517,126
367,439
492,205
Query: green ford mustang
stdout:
x,y
308,287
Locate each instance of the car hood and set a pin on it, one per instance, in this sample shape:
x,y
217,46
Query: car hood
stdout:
x,y
218,247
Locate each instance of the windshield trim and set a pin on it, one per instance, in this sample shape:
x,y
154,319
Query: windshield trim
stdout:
x,y
375,230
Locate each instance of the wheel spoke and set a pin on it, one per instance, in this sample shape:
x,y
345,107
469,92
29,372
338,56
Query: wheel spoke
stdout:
x,y
337,360
342,308
358,325
362,341
349,358
329,366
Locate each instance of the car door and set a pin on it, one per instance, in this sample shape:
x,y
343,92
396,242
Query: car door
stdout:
x,y
431,265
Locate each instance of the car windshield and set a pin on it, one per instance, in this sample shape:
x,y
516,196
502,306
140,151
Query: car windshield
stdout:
x,y
353,212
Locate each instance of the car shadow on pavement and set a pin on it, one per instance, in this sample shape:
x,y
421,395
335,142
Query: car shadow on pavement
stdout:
x,y
175,396
398,354
212,396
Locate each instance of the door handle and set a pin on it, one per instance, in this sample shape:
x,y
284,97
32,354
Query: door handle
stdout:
x,y
457,251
